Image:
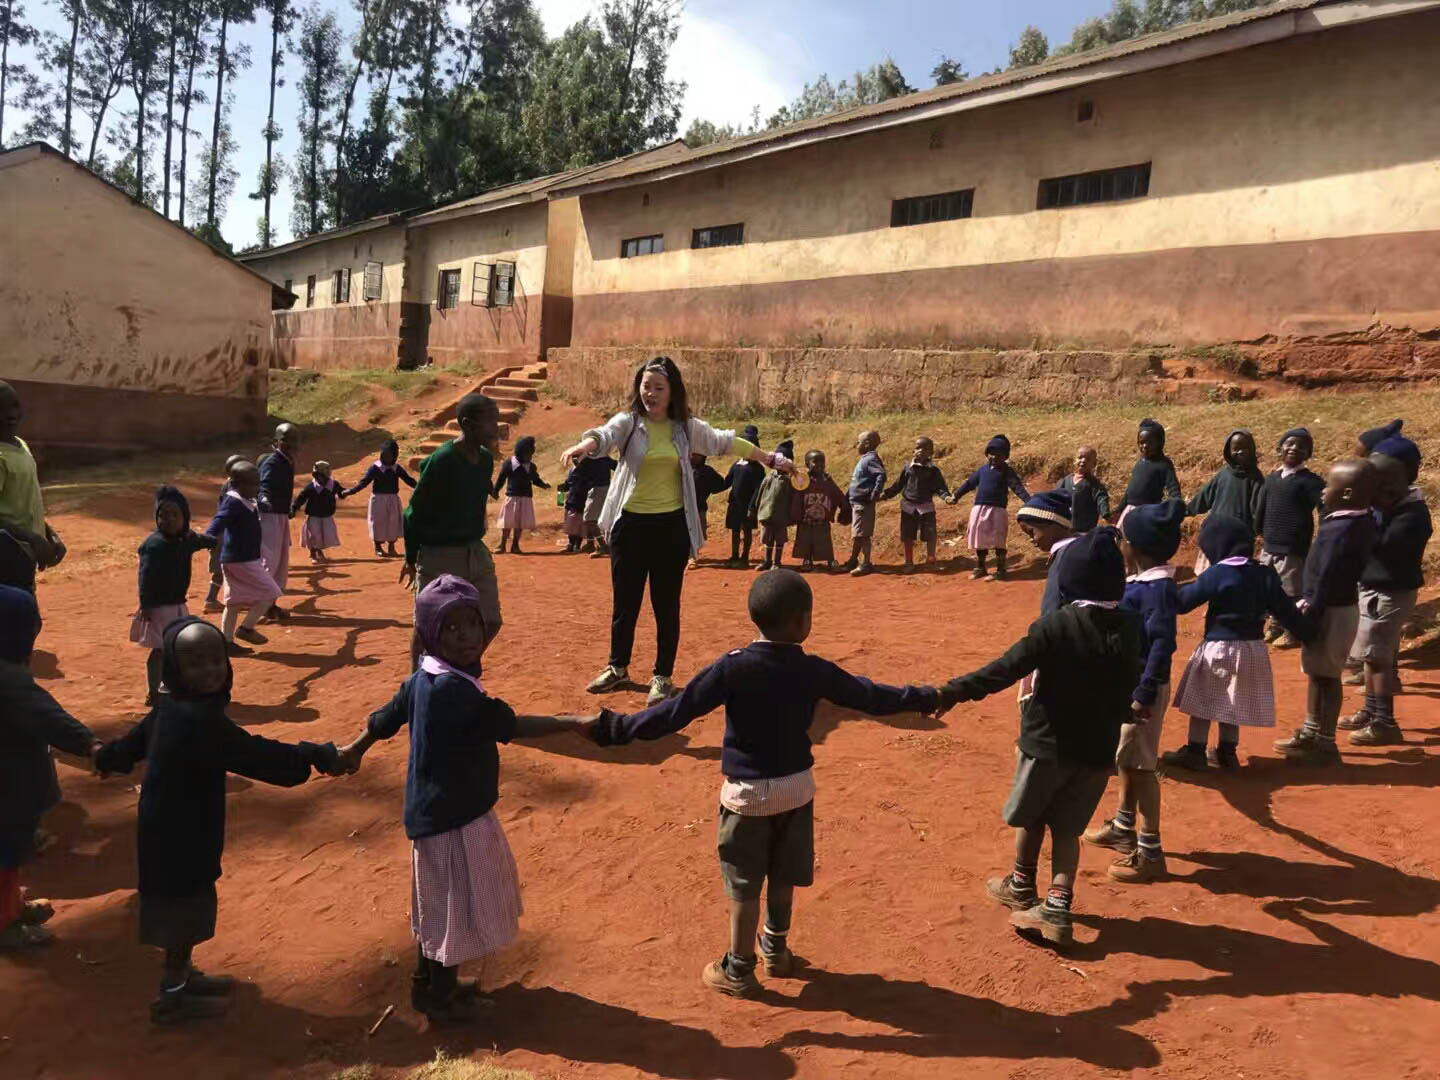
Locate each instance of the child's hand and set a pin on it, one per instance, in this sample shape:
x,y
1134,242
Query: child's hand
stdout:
x,y
1140,712
945,700
348,762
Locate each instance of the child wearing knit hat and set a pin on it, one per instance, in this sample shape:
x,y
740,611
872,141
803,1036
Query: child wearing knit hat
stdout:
x,y
772,510
1285,518
1045,519
989,523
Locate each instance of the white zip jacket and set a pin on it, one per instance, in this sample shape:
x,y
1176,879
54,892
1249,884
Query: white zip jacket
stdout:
x,y
694,433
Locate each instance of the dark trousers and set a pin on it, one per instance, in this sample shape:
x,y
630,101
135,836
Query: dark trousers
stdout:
x,y
657,547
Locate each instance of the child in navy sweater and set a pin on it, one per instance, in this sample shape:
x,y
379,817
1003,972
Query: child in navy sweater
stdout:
x,y
319,497
767,820
1089,497
1389,587
1343,544
212,595
249,585
1151,536
165,558
917,485
1153,478
1285,518
385,515
1234,490
707,482
744,480
989,522
1228,679
465,892
1045,519
520,477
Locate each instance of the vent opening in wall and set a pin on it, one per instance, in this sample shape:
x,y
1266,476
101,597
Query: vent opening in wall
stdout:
x,y
645,199
1084,112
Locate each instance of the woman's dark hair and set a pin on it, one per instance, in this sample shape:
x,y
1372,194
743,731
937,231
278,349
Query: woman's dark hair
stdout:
x,y
679,408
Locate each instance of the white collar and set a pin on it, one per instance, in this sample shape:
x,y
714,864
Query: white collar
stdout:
x,y
433,665
1235,560
1155,573
251,503
1286,472
386,468
1347,513
1055,548
1414,495
1109,605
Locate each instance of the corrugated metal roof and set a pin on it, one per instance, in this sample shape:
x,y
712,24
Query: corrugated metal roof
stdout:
x,y
368,225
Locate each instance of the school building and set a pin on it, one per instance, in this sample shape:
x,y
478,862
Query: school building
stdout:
x,y
118,328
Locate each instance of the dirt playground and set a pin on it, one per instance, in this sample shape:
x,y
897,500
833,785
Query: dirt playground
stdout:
x,y
1299,937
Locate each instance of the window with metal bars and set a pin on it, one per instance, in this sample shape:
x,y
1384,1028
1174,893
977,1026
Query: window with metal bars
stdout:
x,y
642,245
374,279
448,294
923,209
340,286
1103,185
718,236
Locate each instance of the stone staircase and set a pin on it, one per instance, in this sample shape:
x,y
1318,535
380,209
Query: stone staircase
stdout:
x,y
513,389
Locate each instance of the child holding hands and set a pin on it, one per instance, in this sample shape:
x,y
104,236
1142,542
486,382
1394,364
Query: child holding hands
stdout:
x,y
165,559
989,522
520,477
318,497
813,508
917,485
385,515
867,484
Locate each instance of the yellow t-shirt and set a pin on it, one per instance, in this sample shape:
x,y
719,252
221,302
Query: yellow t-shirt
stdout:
x,y
20,501
657,483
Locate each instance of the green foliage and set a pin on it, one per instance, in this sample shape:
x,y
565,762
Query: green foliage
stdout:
x,y
1032,48
319,49
313,397
210,233
948,71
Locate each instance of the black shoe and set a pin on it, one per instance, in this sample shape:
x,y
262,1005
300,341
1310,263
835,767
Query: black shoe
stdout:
x,y
179,1007
1378,734
1188,756
202,985
1223,757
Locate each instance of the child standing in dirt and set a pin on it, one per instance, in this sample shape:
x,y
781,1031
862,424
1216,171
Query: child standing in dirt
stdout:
x,y
917,485
573,488
1228,679
385,515
1089,497
772,510
212,595
33,723
744,479
521,478
1343,545
1234,490
318,497
465,892
249,586
769,690
707,482
277,491
189,744
27,542
989,521
1285,518
1151,536
165,559
1153,478
1088,659
1045,519
813,508
867,485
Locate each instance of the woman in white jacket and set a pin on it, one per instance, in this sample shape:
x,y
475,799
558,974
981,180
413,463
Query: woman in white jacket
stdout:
x,y
651,518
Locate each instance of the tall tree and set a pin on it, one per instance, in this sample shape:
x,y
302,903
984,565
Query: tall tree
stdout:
x,y
373,14
948,71
1032,48
101,68
49,99
215,180
640,34
14,30
229,58
282,18
197,29
175,21
319,43
142,26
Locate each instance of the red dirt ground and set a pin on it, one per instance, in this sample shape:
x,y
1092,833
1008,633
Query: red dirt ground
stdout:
x,y
1298,939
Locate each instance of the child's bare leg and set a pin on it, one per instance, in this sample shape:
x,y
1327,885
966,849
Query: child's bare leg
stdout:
x,y
856,546
1144,788
1199,733
779,907
228,621
981,555
392,548
504,539
1064,864
779,553
930,551
254,615
744,925
909,546
153,663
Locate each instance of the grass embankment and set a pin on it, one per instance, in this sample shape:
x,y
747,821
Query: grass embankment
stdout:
x,y
314,397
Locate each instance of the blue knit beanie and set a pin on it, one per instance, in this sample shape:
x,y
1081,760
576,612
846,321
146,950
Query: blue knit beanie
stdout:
x,y
1050,507
1093,569
1155,529
751,434
1301,433
1372,438
998,445
1402,450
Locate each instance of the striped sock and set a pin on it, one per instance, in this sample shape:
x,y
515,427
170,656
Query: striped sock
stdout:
x,y
1022,878
1058,899
1150,845
1125,819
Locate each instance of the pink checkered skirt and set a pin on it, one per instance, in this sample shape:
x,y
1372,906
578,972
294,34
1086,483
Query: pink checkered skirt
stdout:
x,y
248,584
464,892
386,518
988,526
1228,682
517,513
574,523
319,532
147,628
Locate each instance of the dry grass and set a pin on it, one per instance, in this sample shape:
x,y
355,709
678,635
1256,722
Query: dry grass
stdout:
x,y
312,397
445,1067
356,1072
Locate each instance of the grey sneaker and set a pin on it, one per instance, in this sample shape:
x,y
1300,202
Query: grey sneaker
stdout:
x,y
661,689
609,679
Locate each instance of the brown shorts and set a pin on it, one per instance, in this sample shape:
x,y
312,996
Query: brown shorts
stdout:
x,y
862,520
471,562
913,525
779,848
1140,743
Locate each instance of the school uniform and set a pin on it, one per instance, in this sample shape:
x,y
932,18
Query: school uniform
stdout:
x,y
574,490
1232,492
765,827
867,483
1089,501
813,510
248,581
1391,579
1153,595
520,478
445,525
989,523
319,500
1343,546
917,486
164,577
277,491
1152,480
1285,517
745,478
597,472
384,516
707,482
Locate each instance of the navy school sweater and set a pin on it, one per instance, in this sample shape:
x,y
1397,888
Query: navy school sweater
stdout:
x,y
318,501
1089,501
990,486
1155,597
1240,596
1151,481
1050,598
239,524
1342,547
769,690
1285,514
708,482
454,772
165,566
1230,491
277,483
386,481
745,478
1394,563
918,484
520,479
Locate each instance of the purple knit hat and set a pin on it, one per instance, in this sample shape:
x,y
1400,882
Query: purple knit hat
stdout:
x,y
436,600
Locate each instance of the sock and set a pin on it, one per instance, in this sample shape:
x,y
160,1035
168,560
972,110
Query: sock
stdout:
x,y
1383,711
737,968
1199,733
227,622
422,967
1150,845
1229,737
777,925
1371,706
443,980
1058,899
980,557
1125,819
254,615
1023,878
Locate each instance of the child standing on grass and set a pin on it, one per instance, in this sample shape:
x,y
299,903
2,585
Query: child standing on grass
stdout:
x,y
318,497
1152,536
385,515
1389,587
249,586
1153,478
521,478
1343,545
1234,490
707,482
32,724
918,484
1089,497
813,508
165,559
744,479
1228,679
867,485
189,744
1285,518
766,830
989,521
772,510
212,595
464,889
1088,657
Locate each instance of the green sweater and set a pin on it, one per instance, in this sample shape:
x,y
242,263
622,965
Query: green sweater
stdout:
x,y
447,507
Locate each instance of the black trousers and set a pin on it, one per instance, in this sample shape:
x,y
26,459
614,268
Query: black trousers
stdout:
x,y
654,547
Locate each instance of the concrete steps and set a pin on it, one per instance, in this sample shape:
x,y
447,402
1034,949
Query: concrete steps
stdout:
x,y
512,389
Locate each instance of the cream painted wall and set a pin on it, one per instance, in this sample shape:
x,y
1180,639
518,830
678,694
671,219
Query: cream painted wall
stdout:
x,y
384,245
516,234
100,292
1327,135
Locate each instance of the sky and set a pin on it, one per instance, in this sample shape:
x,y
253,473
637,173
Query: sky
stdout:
x,y
733,55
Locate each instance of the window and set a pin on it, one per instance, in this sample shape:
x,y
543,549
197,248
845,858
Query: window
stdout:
x,y
718,236
642,245
373,278
502,285
1084,112
288,283
922,209
340,286
310,291
1107,185
449,294
480,285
